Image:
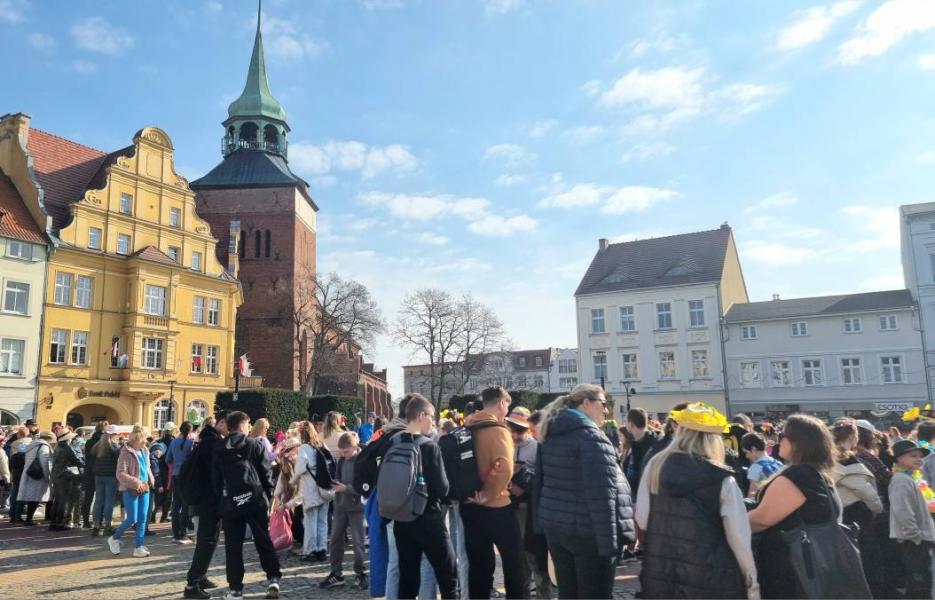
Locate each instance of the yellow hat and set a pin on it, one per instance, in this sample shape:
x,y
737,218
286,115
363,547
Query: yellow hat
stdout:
x,y
699,416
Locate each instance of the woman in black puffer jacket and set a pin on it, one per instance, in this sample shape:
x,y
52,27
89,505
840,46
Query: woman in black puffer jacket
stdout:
x,y
584,505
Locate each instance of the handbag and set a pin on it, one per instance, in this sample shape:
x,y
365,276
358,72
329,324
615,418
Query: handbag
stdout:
x,y
280,528
35,471
825,559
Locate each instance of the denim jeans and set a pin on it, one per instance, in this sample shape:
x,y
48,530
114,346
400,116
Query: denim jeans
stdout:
x,y
137,508
315,521
427,585
105,490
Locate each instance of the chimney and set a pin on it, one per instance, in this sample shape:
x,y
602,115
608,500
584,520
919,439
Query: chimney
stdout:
x,y
602,244
775,297
725,225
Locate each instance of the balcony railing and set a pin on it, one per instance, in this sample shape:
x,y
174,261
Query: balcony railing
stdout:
x,y
254,381
229,145
151,321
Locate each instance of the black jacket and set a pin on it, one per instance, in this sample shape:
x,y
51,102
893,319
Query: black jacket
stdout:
x,y
208,441
686,553
581,490
105,458
636,461
227,474
89,456
64,457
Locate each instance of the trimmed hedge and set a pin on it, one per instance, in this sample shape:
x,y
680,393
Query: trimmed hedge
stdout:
x,y
459,402
280,407
546,399
350,406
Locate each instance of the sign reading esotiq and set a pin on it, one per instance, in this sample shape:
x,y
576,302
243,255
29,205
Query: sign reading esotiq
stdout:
x,y
892,406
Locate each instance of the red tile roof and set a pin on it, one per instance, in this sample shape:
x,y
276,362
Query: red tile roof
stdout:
x,y
155,254
64,169
15,220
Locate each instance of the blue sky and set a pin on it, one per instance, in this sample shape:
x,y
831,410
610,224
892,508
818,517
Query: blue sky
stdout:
x,y
485,145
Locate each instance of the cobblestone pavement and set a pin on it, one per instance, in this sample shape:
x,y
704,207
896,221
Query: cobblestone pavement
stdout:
x,y
36,562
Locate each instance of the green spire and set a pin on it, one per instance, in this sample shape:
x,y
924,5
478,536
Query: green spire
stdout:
x,y
257,100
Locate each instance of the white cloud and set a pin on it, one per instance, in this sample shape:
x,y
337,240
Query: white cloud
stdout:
x,y
83,67
542,128
640,46
813,24
641,152
666,88
780,200
411,207
926,158
13,11
634,198
349,155
890,281
927,62
879,225
283,40
432,239
96,34
777,255
507,179
583,134
592,88
889,24
41,41
632,236
499,226
499,7
509,156
740,99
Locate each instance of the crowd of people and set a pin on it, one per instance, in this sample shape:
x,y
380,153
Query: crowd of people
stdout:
x,y
713,509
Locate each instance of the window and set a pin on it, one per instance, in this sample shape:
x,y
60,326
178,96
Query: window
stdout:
x,y
197,408
750,374
175,217
163,412
781,373
16,297
597,320
496,363
696,313
79,348
538,361
84,292
211,364
15,249
538,382
155,300
748,332
522,361
256,253
214,312
196,261
852,325
568,365
664,315
888,323
667,365
11,356
94,238
892,369
123,243
799,329
198,311
851,373
811,370
521,381
58,346
567,382
268,243
631,369
63,288
700,363
126,204
627,319
118,360
197,358
600,365
152,353
174,253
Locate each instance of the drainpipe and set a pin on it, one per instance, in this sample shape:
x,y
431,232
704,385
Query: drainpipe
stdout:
x,y
721,339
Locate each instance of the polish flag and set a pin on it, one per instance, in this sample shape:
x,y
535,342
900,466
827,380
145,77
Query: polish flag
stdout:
x,y
244,366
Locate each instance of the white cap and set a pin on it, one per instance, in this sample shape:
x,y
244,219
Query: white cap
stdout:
x,y
865,424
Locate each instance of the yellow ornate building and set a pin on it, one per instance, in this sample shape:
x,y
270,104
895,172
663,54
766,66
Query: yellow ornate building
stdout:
x,y
139,314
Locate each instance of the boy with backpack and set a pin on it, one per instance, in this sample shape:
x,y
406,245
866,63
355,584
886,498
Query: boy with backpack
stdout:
x,y
242,480
410,487
348,514
762,466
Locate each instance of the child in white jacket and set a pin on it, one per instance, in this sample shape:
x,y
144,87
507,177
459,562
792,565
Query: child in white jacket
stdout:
x,y
314,499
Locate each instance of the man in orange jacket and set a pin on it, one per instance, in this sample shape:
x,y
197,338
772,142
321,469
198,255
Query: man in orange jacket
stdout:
x,y
488,518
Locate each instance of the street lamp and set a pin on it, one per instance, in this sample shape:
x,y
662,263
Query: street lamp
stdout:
x,y
628,391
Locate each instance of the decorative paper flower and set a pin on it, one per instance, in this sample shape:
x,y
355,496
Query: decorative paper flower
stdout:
x,y
912,414
699,416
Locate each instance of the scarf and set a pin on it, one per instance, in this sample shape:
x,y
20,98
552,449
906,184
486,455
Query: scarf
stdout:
x,y
927,493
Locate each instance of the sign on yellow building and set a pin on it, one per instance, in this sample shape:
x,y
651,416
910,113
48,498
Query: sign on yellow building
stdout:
x,y
139,314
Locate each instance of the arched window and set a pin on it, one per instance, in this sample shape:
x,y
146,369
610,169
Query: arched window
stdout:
x,y
248,131
256,250
243,244
197,409
8,418
270,135
268,242
163,412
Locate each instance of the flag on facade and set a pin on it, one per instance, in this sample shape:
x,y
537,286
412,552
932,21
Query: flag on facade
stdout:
x,y
196,363
115,348
122,361
244,366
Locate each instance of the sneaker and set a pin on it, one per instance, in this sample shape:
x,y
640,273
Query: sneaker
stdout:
x,y
272,590
95,532
234,595
321,556
140,552
361,582
196,592
114,545
207,584
331,581
150,532
184,542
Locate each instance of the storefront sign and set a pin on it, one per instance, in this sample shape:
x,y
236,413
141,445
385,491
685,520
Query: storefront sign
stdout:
x,y
892,406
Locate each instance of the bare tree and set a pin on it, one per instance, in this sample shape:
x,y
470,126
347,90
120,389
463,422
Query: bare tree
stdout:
x,y
481,333
331,316
430,325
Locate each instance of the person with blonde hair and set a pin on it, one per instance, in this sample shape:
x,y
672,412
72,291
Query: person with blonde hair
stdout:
x,y
332,431
584,504
315,497
689,505
259,431
134,479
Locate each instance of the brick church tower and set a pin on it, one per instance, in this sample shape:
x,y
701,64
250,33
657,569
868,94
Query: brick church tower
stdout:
x,y
265,219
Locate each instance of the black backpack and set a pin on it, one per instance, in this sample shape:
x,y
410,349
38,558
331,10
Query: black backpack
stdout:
x,y
192,485
367,465
460,463
324,468
241,490
17,464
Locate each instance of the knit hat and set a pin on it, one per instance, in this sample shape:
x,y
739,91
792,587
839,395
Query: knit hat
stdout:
x,y
519,416
158,446
702,417
903,446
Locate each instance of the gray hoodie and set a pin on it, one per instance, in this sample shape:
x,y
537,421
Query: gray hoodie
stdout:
x,y
909,516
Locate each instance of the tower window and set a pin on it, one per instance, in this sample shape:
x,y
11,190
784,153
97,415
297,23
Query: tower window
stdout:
x,y
243,244
256,251
270,135
248,132
268,240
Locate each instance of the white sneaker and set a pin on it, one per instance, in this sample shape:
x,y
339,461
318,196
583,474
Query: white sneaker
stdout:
x,y
140,552
232,595
114,545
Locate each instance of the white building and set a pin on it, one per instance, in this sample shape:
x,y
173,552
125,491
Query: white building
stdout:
x,y
830,356
648,317
563,376
917,235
